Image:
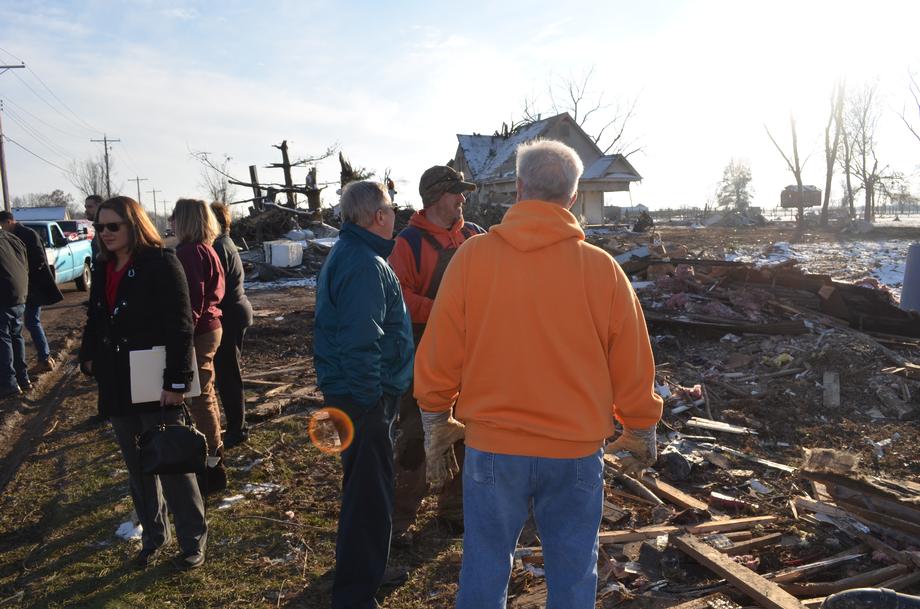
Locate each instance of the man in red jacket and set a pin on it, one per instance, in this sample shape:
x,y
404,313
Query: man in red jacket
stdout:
x,y
423,250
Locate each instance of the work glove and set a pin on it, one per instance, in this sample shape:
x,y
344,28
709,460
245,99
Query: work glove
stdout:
x,y
441,431
636,449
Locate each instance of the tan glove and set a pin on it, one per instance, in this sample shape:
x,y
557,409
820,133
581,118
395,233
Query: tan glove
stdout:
x,y
441,432
635,449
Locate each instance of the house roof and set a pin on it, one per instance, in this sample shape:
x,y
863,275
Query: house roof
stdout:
x,y
611,167
486,154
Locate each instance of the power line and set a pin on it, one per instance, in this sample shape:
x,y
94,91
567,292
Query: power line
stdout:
x,y
38,136
46,102
53,94
42,121
39,157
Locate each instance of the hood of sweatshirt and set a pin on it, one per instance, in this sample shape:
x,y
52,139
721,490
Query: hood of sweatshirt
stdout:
x,y
533,225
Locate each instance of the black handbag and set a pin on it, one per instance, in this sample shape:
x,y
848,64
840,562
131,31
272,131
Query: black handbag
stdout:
x,y
173,449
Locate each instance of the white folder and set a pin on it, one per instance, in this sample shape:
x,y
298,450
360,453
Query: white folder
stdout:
x,y
147,366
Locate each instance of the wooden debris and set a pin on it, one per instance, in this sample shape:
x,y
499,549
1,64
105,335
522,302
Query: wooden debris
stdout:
x,y
733,524
870,578
795,573
673,494
719,426
744,547
613,537
764,592
831,389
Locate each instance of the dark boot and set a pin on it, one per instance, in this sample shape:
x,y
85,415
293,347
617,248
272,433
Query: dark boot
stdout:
x,y
215,476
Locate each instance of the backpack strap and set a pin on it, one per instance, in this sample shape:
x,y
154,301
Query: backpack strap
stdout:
x,y
413,237
469,229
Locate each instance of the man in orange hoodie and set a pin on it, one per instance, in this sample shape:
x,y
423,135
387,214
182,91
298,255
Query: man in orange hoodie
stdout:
x,y
538,343
423,250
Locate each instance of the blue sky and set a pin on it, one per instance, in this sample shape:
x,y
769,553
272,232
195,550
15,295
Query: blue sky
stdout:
x,y
392,83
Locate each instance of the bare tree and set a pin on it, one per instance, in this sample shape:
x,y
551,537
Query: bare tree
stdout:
x,y
832,145
846,164
794,166
605,122
915,93
215,177
862,120
88,176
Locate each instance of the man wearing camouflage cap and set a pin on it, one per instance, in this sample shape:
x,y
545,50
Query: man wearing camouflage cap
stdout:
x,y
422,252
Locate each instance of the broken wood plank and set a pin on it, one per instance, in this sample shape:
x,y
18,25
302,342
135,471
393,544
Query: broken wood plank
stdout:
x,y
261,382
770,375
629,496
301,367
631,483
831,389
628,536
744,547
795,573
789,327
869,578
279,389
741,455
764,592
719,426
733,524
673,494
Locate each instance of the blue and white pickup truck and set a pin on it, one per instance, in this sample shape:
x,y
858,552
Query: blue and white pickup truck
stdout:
x,y
69,260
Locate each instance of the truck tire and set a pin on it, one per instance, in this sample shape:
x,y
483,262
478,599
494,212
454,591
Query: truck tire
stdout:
x,y
85,280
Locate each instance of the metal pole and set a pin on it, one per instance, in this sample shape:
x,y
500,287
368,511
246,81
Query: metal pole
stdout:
x,y
3,176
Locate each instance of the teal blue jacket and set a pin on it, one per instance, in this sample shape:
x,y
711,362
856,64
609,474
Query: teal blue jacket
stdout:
x,y
363,335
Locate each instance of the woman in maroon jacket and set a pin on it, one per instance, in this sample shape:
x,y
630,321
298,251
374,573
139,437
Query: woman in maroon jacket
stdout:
x,y
196,227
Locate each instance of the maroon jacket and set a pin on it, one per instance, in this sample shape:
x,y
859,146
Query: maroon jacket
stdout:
x,y
205,278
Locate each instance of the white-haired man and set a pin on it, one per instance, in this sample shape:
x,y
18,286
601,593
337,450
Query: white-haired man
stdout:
x,y
363,356
538,343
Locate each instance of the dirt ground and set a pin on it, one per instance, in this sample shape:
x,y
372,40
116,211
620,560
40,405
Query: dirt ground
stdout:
x,y
271,541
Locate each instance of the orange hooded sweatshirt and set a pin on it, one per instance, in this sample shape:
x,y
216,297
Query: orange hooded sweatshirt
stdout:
x,y
539,339
415,275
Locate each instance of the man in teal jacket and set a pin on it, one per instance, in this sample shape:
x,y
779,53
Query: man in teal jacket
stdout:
x,y
363,356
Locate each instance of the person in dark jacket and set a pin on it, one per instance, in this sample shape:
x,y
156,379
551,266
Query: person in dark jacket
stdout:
x,y
90,207
139,300
14,285
43,289
196,227
363,356
236,317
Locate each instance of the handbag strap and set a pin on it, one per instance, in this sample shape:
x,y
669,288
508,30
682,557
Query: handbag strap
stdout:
x,y
189,421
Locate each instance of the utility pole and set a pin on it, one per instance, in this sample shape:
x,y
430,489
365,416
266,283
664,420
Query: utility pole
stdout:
x,y
105,141
138,181
154,192
3,176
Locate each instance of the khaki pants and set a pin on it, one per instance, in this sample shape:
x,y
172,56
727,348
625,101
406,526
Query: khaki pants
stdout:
x,y
204,408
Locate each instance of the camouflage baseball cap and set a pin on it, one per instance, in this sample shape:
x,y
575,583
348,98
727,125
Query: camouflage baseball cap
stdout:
x,y
440,179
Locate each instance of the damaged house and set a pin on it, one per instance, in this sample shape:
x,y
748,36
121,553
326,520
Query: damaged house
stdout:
x,y
489,161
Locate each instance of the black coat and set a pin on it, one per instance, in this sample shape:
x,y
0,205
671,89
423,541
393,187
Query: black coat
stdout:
x,y
151,309
235,306
43,289
14,273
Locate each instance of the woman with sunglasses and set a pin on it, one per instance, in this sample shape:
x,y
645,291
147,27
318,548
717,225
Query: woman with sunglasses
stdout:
x,y
139,300
196,228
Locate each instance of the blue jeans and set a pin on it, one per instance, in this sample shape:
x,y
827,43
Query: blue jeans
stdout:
x,y
33,324
12,349
567,497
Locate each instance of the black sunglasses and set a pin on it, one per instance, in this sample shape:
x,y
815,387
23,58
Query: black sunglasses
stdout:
x,y
112,227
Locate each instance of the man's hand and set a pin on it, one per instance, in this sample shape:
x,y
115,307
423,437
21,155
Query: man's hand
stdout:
x,y
441,431
636,449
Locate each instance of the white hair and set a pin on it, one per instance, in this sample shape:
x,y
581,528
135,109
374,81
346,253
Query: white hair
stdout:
x,y
548,171
361,200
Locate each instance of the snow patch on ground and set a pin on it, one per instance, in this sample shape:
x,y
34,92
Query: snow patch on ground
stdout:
x,y
280,284
129,531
